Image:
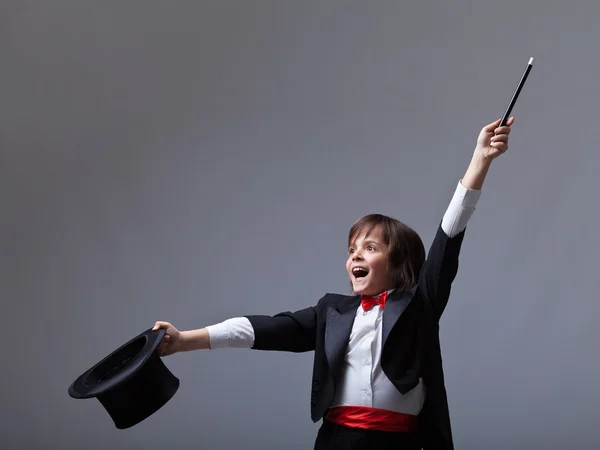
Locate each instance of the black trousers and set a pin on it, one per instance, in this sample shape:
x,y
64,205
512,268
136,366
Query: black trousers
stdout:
x,y
332,436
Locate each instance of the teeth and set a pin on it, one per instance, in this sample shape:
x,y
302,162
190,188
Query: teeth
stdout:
x,y
359,269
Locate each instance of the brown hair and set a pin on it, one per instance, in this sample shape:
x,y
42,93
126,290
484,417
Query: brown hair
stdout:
x,y
407,252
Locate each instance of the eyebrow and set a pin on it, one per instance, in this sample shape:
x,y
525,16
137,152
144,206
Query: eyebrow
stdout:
x,y
371,241
367,242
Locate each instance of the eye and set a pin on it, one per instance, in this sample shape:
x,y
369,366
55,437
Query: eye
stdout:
x,y
371,248
350,250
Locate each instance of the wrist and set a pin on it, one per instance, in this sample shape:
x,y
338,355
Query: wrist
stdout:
x,y
194,340
477,171
480,161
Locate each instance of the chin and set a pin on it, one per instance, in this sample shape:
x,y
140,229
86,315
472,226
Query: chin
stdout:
x,y
368,289
360,290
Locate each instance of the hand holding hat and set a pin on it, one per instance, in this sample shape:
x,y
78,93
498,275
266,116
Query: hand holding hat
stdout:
x,y
172,342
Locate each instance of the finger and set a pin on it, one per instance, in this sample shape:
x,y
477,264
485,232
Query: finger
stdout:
x,y
508,123
499,138
502,130
501,146
492,126
160,324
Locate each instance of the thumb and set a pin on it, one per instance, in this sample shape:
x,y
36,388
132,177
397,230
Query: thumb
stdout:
x,y
160,324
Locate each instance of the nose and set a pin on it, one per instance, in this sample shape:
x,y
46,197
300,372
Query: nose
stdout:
x,y
357,256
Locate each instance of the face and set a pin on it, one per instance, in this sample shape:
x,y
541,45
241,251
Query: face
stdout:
x,y
368,264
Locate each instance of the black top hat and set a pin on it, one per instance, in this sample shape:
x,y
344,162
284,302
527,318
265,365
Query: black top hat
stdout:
x,y
132,383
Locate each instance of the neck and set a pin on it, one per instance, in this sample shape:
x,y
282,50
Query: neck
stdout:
x,y
376,294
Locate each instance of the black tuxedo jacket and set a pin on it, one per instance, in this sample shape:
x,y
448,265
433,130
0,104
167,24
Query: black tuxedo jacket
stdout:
x,y
411,346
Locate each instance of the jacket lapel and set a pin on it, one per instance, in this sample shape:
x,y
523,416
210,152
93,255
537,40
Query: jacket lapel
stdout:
x,y
394,307
340,318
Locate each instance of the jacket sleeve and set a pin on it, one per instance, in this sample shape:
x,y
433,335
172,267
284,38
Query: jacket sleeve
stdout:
x,y
441,265
439,271
286,331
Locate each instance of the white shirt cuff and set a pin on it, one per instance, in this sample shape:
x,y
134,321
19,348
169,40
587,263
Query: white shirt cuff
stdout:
x,y
467,197
231,333
460,210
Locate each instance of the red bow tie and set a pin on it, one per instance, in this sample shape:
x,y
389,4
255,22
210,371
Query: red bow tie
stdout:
x,y
369,302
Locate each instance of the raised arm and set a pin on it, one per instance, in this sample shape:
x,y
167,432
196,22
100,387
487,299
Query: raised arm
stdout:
x,y
441,266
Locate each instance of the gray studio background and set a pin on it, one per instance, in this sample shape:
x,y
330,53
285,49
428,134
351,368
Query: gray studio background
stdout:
x,y
195,161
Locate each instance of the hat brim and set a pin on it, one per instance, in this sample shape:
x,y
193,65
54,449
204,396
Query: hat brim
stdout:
x,y
118,366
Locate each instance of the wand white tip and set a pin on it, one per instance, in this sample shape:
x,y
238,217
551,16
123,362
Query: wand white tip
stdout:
x,y
531,61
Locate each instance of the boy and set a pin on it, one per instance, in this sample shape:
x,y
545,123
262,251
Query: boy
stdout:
x,y
378,380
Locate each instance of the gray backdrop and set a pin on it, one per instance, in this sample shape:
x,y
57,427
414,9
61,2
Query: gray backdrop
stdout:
x,y
194,161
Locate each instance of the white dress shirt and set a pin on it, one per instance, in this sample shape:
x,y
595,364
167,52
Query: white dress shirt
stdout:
x,y
364,383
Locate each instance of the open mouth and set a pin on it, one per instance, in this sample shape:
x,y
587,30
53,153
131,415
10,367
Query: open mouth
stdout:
x,y
359,273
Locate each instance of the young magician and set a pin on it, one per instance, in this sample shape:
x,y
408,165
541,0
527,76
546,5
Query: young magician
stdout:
x,y
377,380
